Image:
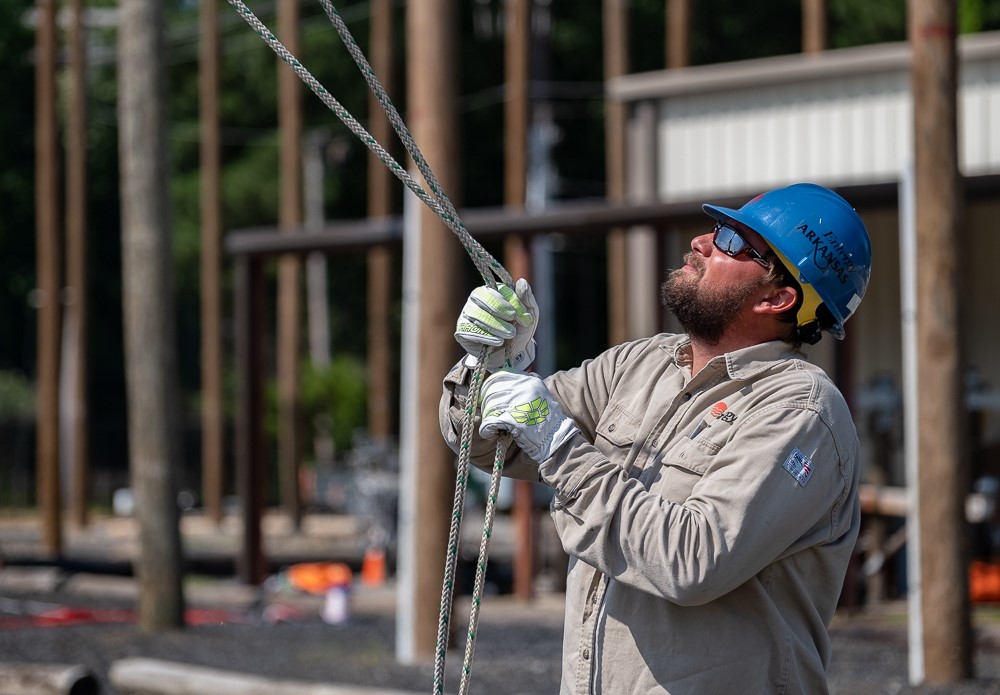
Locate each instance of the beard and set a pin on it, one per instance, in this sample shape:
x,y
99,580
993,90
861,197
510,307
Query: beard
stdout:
x,y
704,312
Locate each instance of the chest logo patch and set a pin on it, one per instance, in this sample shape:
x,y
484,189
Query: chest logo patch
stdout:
x,y
799,466
720,411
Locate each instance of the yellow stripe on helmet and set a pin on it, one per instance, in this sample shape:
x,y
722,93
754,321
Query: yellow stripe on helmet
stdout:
x,y
810,299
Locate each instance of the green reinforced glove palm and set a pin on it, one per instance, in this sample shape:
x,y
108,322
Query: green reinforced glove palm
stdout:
x,y
501,318
522,405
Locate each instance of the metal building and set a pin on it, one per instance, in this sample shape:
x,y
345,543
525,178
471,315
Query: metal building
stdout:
x,y
842,118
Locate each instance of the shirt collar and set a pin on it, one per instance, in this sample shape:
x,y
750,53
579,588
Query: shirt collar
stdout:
x,y
751,361
678,346
741,364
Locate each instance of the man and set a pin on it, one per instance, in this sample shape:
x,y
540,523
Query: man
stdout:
x,y
705,484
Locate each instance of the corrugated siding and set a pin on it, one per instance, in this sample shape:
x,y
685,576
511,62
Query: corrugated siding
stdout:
x,y
841,130
980,117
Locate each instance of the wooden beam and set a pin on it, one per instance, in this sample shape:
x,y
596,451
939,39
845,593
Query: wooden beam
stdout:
x,y
76,318
289,267
885,500
148,316
47,679
615,66
678,51
517,253
250,476
566,218
813,26
210,212
431,84
142,676
380,257
943,459
47,263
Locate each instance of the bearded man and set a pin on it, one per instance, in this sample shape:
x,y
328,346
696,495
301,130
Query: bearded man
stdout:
x,y
706,483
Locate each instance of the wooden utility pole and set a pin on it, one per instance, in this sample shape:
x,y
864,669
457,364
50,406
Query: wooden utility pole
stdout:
x,y
250,443
290,265
150,345
212,419
679,33
431,84
813,26
380,258
315,146
517,254
517,52
943,476
314,155
47,264
616,65
76,265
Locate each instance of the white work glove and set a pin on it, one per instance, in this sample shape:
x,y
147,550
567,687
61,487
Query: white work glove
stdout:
x,y
495,316
522,405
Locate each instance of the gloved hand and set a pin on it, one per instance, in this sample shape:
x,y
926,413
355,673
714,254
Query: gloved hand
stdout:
x,y
493,317
522,405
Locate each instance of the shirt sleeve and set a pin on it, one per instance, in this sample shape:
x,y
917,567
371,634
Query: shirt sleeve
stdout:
x,y
451,418
752,506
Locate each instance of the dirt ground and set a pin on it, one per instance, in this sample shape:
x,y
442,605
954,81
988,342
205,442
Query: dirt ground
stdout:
x,y
71,614
275,633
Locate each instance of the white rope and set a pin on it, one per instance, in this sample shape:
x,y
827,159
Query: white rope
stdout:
x,y
488,267
484,551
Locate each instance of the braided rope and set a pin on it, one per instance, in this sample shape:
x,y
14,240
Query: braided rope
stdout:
x,y
451,558
439,202
403,132
484,551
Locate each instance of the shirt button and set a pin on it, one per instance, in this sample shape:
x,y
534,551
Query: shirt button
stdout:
x,y
653,443
687,396
611,427
586,654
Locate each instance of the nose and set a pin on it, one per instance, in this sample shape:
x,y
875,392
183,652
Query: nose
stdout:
x,y
702,244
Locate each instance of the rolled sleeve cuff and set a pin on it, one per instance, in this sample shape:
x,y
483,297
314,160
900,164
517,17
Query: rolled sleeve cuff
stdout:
x,y
570,466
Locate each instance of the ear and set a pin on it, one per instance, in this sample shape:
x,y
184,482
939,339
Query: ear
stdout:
x,y
776,300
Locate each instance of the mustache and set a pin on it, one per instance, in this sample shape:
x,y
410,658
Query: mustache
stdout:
x,y
695,261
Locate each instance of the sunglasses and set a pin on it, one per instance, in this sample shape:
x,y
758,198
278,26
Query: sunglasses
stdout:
x,y
732,243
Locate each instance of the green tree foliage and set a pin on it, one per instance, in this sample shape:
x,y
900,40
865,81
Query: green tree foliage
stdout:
x,y
17,397
727,30
978,15
859,22
337,395
17,191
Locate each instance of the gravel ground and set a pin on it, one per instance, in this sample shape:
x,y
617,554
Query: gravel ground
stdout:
x,y
517,650
281,636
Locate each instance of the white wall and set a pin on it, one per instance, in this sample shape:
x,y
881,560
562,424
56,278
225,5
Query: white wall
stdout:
x,y
842,130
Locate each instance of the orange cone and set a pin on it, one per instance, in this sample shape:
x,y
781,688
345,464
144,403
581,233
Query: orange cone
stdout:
x,y
373,567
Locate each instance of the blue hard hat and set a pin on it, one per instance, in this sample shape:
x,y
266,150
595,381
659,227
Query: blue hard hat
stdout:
x,y
820,239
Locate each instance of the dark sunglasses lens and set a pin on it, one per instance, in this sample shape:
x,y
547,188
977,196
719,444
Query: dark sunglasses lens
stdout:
x,y
729,241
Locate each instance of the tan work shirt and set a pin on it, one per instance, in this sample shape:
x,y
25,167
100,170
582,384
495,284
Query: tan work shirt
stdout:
x,y
709,520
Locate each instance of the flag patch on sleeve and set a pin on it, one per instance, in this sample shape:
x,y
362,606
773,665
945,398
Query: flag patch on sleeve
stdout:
x,y
799,466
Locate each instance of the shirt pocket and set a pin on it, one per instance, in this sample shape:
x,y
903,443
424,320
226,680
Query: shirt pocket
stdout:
x,y
616,433
682,466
